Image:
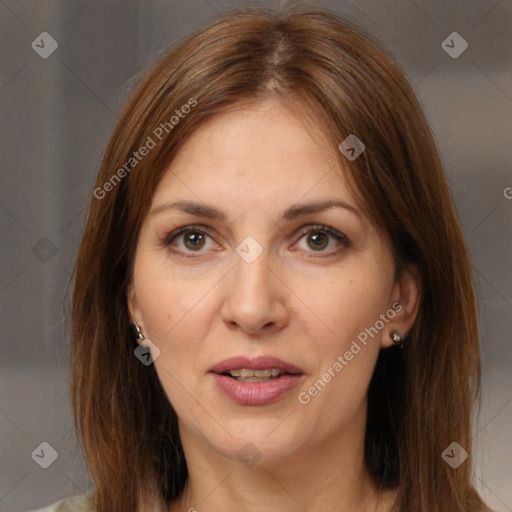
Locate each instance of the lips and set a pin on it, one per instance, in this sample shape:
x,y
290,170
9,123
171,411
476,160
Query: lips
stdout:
x,y
259,381
258,363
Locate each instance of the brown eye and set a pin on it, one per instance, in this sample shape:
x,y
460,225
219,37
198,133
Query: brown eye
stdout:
x,y
317,241
187,239
319,237
194,240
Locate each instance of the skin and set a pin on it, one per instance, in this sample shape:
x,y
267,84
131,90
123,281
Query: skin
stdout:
x,y
300,301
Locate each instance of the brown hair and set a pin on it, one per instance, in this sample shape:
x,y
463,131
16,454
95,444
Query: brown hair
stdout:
x,y
420,398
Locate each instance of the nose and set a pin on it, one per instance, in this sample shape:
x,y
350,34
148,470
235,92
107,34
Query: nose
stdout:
x,y
255,297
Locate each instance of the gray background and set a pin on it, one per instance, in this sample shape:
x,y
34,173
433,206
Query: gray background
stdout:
x,y
55,118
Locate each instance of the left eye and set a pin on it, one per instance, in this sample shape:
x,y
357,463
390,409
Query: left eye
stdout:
x,y
317,237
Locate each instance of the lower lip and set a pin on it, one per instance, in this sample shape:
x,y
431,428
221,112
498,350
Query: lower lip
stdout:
x,y
256,393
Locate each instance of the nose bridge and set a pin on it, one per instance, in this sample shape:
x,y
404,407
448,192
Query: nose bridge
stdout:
x,y
253,298
251,270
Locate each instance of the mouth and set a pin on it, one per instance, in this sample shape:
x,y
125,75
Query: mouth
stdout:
x,y
259,381
248,375
262,368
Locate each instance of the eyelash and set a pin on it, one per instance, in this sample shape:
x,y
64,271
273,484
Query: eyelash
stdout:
x,y
316,228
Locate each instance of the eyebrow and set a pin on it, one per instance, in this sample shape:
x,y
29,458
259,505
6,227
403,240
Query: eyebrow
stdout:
x,y
204,210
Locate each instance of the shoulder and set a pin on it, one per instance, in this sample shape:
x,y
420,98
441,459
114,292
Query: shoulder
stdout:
x,y
78,503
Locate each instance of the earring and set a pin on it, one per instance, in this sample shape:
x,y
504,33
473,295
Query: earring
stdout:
x,y
137,331
397,338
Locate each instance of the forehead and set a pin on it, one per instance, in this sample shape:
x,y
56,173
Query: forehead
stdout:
x,y
256,154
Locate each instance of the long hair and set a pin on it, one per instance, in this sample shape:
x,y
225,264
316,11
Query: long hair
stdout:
x,y
420,398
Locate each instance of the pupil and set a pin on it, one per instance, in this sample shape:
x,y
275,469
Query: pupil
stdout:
x,y
315,237
195,239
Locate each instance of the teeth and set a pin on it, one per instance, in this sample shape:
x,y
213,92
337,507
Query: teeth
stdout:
x,y
254,379
273,372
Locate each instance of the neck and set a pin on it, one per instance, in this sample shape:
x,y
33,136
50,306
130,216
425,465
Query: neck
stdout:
x,y
326,476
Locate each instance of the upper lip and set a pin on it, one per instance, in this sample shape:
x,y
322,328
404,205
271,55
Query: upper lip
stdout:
x,y
256,363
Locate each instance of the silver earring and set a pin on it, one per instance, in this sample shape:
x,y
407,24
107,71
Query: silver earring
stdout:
x,y
137,331
397,338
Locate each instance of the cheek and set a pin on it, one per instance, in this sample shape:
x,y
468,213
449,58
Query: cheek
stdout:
x,y
346,357
168,299
175,327
174,309
344,306
346,309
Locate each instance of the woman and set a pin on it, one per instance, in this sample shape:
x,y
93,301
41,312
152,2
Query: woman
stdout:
x,y
273,305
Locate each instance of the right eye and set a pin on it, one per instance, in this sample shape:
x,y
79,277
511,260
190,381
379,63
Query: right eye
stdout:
x,y
192,238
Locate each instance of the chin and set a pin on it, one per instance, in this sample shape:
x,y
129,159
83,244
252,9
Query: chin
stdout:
x,y
265,442
261,452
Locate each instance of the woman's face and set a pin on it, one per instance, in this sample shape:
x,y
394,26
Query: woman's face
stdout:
x,y
268,276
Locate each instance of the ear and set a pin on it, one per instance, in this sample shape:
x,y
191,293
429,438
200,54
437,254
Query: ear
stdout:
x,y
133,306
405,302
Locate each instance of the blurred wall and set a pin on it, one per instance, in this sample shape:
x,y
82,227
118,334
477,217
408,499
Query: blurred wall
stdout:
x,y
56,113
